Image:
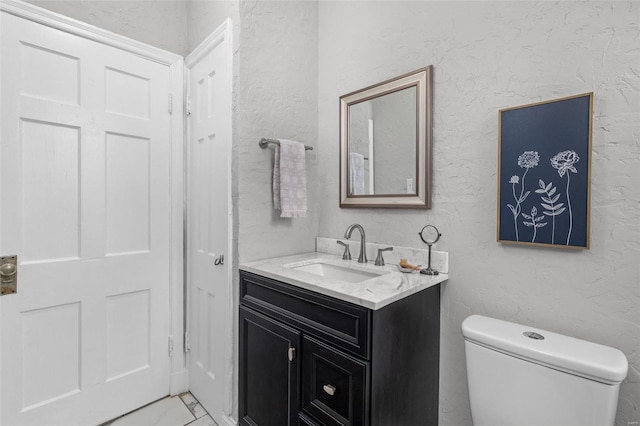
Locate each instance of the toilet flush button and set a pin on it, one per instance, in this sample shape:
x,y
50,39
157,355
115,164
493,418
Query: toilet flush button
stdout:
x,y
533,335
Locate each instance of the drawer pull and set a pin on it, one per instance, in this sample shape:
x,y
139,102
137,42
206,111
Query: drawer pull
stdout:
x,y
292,354
329,389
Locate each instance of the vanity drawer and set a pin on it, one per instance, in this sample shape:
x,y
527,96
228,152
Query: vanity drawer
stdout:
x,y
342,324
334,385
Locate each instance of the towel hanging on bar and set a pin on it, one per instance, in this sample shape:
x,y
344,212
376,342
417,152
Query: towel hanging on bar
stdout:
x,y
264,143
356,173
290,179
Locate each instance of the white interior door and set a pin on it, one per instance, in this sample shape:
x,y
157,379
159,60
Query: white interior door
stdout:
x,y
85,150
209,223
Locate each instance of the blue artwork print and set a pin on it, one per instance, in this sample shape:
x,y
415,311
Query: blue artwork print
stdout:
x,y
543,189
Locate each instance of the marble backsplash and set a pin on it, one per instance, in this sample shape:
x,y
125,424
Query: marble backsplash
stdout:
x,y
415,256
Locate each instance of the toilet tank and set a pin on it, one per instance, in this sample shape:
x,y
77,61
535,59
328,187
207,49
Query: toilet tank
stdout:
x,y
524,376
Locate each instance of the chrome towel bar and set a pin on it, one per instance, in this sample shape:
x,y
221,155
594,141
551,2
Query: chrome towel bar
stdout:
x,y
265,142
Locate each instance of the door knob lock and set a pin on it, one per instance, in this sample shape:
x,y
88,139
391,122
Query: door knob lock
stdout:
x,y
8,275
7,271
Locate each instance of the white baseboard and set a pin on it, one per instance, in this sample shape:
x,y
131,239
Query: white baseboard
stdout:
x,y
228,421
179,382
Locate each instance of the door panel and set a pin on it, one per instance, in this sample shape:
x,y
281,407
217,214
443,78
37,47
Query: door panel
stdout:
x,y
208,206
51,183
85,204
127,194
128,346
53,331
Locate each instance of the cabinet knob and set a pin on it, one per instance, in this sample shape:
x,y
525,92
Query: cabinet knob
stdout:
x,y
331,390
292,354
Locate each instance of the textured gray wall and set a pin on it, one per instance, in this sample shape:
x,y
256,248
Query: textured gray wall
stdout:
x,y
204,16
277,98
487,56
161,24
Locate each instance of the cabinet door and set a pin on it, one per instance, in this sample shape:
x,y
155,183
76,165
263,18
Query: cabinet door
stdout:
x,y
335,386
268,379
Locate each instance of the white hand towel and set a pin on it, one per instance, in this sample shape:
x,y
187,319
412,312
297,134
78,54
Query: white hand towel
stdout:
x,y
290,179
356,173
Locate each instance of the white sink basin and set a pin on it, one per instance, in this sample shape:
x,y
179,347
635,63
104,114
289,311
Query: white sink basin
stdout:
x,y
346,273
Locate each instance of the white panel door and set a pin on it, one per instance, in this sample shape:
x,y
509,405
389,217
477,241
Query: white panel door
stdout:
x,y
208,273
85,205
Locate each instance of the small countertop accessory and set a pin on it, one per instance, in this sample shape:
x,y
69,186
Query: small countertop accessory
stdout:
x,y
405,270
406,267
429,235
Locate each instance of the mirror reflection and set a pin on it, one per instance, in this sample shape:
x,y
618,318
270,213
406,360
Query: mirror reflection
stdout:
x,y
385,143
382,144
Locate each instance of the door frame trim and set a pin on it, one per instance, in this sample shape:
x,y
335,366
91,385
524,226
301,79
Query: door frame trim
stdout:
x,y
178,375
222,34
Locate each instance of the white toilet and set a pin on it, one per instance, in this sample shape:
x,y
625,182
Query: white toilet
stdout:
x,y
522,376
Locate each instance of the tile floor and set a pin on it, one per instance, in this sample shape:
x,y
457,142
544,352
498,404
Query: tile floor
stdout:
x,y
170,411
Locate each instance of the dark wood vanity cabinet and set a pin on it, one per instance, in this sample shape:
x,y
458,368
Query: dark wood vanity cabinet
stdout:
x,y
308,359
270,379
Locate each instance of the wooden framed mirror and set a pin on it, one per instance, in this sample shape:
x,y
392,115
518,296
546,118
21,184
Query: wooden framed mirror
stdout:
x,y
385,143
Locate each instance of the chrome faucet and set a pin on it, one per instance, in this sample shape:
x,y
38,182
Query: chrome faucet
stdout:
x,y
346,255
380,259
362,258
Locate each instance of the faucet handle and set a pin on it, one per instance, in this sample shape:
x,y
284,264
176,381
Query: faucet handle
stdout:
x,y
380,260
347,254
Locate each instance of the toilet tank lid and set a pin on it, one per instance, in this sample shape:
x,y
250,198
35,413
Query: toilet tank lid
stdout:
x,y
590,360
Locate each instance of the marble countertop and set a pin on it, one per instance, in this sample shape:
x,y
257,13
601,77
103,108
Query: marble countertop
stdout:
x,y
373,293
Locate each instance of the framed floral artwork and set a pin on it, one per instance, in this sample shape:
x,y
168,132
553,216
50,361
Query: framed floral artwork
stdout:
x,y
544,173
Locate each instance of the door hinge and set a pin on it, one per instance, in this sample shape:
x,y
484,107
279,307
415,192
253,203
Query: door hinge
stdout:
x,y
170,346
188,106
170,103
187,342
